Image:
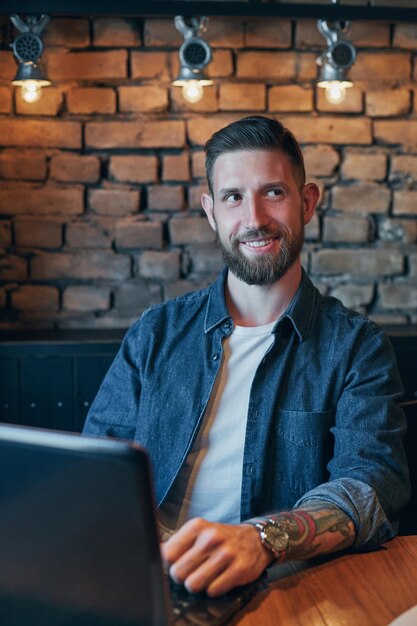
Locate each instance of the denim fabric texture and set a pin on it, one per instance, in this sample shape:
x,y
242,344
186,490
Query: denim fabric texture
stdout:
x,y
323,421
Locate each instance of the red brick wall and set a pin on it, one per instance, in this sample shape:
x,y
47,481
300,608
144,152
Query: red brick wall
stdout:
x,y
101,179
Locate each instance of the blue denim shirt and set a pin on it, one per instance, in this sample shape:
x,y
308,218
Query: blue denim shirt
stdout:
x,y
322,421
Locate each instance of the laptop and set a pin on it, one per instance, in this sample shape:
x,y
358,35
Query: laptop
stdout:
x,y
78,538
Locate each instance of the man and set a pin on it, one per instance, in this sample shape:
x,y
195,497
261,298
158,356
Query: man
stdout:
x,y
268,410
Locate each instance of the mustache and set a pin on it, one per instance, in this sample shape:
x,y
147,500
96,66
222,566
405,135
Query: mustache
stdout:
x,y
259,233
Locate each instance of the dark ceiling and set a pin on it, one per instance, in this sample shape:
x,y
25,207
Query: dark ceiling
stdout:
x,y
388,10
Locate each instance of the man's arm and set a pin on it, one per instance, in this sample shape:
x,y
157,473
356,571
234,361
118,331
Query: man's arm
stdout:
x,y
217,557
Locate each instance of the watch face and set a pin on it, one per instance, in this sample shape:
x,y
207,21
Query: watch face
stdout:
x,y
277,537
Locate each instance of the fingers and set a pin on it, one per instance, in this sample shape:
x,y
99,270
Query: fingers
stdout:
x,y
215,557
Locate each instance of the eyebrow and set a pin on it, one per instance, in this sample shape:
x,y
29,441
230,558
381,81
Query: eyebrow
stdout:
x,y
271,185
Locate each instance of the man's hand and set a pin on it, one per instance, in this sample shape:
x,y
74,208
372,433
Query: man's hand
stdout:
x,y
215,557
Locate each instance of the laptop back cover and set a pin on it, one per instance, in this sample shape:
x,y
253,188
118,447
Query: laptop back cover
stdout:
x,y
78,539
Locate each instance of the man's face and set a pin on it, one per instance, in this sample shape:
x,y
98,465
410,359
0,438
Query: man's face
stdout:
x,y
259,212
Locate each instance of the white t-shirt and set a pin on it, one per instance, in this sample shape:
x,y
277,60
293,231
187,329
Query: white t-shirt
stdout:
x,y
209,484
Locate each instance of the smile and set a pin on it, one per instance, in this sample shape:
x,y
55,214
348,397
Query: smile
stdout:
x,y
259,243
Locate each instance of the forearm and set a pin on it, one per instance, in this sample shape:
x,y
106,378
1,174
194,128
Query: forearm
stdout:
x,y
318,527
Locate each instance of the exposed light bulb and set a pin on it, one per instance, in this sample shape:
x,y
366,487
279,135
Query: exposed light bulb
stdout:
x,y
336,90
31,91
192,91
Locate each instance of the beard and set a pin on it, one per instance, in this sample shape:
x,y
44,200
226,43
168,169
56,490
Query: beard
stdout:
x,y
268,268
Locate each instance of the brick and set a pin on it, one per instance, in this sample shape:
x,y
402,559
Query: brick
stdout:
x,y
160,265
200,129
353,102
81,265
23,199
50,103
134,169
70,168
86,298
312,229
23,165
320,160
205,259
116,202
412,259
133,233
207,104
13,267
194,195
290,98
225,32
37,233
107,64
404,231
271,33
388,320
102,320
404,168
198,164
398,295
161,32
378,68
405,35
352,229
366,262
2,298
181,287
149,64
190,230
221,64
162,134
90,100
98,233
165,198
397,132
271,65
7,66
35,298
5,100
362,198
242,97
143,99
388,102
40,134
354,296
5,234
375,34
306,66
136,296
69,32
364,165
405,202
116,32
330,129
307,35
176,167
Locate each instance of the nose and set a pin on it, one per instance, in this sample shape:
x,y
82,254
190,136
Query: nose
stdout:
x,y
256,212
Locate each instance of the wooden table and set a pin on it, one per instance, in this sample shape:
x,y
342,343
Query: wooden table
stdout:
x,y
369,589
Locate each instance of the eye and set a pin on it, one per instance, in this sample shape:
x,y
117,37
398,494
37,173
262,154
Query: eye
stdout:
x,y
274,193
232,197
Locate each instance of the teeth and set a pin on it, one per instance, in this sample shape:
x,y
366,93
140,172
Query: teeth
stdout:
x,y
258,244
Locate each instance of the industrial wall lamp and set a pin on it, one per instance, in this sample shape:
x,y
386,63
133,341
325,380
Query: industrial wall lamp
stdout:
x,y
335,61
27,49
194,55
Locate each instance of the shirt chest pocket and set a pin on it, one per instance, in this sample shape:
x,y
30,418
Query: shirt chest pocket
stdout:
x,y
304,429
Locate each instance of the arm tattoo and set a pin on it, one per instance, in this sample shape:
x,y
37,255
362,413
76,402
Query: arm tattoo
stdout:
x,y
316,528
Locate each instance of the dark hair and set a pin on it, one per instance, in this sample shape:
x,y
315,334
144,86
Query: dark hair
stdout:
x,y
254,133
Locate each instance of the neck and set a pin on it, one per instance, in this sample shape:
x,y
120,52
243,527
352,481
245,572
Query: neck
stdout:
x,y
257,305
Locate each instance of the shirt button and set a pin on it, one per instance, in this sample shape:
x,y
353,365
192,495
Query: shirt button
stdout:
x,y
215,356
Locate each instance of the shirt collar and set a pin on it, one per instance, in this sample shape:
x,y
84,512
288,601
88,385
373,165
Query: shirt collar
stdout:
x,y
299,312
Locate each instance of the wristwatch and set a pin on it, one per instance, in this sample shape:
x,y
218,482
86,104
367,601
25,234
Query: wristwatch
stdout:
x,y
273,536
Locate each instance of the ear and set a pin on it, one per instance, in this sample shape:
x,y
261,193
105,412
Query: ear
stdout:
x,y
208,206
311,196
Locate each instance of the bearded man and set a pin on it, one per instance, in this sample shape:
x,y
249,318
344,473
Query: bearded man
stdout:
x,y
269,410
